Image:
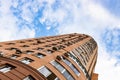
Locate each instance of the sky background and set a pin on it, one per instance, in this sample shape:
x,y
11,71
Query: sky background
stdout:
x,y
20,19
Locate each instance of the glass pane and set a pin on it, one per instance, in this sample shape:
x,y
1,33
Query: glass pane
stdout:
x,y
70,78
67,62
39,55
66,74
74,69
14,57
44,71
57,65
60,68
5,69
26,60
54,63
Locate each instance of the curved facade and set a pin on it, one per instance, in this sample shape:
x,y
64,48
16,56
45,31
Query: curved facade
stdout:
x,y
63,57
14,70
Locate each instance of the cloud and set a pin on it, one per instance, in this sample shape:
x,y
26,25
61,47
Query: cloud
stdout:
x,y
107,66
10,28
111,39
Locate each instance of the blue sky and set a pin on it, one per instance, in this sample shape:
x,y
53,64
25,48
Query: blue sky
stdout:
x,y
21,19
112,5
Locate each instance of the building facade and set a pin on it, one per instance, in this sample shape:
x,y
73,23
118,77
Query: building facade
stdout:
x,y
63,57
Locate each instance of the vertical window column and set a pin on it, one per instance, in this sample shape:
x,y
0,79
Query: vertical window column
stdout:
x,y
73,68
60,68
47,73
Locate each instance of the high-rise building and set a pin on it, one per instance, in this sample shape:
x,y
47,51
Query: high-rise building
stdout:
x,y
63,57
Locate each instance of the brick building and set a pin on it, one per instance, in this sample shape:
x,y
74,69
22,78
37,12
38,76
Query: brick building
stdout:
x,y
63,57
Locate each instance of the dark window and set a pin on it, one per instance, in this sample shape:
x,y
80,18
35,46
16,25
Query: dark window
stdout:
x,y
18,51
39,55
29,52
10,43
40,49
25,46
14,56
49,51
21,42
6,68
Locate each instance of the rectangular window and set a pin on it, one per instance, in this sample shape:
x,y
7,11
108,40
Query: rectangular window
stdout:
x,y
40,49
6,68
65,73
58,66
26,60
49,51
29,77
14,56
24,46
39,55
29,52
43,70
47,73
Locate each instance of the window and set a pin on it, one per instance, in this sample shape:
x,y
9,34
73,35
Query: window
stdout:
x,y
34,43
65,73
29,77
38,41
29,52
73,68
47,73
26,60
43,70
49,51
47,46
1,53
10,43
21,42
76,60
6,68
55,48
58,66
39,55
24,46
18,51
11,48
30,40
14,56
40,49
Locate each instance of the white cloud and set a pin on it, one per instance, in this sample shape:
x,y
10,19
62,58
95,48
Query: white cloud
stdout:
x,y
106,65
9,29
48,27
